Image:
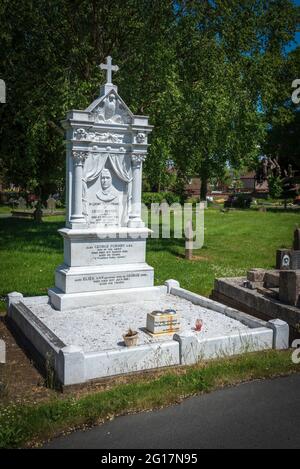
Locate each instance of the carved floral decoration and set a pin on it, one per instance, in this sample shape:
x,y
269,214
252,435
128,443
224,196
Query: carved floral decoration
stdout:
x,y
141,137
138,158
108,137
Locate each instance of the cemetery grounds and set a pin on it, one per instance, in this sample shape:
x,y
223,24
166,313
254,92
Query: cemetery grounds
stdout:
x,y
32,410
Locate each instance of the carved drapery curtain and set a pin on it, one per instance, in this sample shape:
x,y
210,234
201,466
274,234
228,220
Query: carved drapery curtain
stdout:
x,y
95,164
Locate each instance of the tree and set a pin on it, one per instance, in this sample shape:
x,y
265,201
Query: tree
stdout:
x,y
205,71
230,55
49,56
284,116
150,60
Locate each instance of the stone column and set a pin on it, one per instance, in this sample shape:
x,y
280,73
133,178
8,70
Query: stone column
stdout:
x,y
69,172
79,158
135,220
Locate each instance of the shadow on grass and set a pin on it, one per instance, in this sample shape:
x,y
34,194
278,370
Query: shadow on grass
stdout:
x,y
172,245
14,233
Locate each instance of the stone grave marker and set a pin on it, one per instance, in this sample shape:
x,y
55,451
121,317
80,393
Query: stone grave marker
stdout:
x,y
2,351
295,264
287,259
104,283
189,242
104,237
283,259
22,204
296,244
2,91
51,204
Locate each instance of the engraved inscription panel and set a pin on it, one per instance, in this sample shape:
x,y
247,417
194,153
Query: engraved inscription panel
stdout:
x,y
106,281
99,251
105,251
105,215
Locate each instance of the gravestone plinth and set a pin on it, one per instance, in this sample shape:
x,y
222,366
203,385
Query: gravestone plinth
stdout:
x,y
283,259
104,237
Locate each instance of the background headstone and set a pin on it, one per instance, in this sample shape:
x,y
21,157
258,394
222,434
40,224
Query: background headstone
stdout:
x,y
51,204
22,204
283,259
295,260
296,245
12,202
38,213
2,351
2,91
189,240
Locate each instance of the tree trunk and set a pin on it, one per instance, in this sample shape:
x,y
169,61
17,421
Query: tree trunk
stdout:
x,y
203,189
204,177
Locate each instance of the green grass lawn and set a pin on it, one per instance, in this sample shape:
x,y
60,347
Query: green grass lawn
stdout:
x,y
5,209
234,242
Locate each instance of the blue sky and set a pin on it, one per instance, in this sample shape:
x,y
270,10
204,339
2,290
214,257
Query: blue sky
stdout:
x,y
297,36
293,45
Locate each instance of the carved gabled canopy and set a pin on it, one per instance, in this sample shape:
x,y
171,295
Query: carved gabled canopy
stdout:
x,y
110,109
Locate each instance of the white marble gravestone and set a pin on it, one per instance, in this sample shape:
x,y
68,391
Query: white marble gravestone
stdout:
x,y
104,237
104,285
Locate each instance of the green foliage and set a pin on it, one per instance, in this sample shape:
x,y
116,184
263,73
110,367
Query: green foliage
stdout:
x,y
149,198
283,115
192,200
231,52
275,187
207,73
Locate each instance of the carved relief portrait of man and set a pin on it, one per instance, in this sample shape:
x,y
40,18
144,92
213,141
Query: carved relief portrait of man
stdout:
x,y
107,192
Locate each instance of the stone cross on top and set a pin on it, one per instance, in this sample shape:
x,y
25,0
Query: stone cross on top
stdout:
x,y
109,69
